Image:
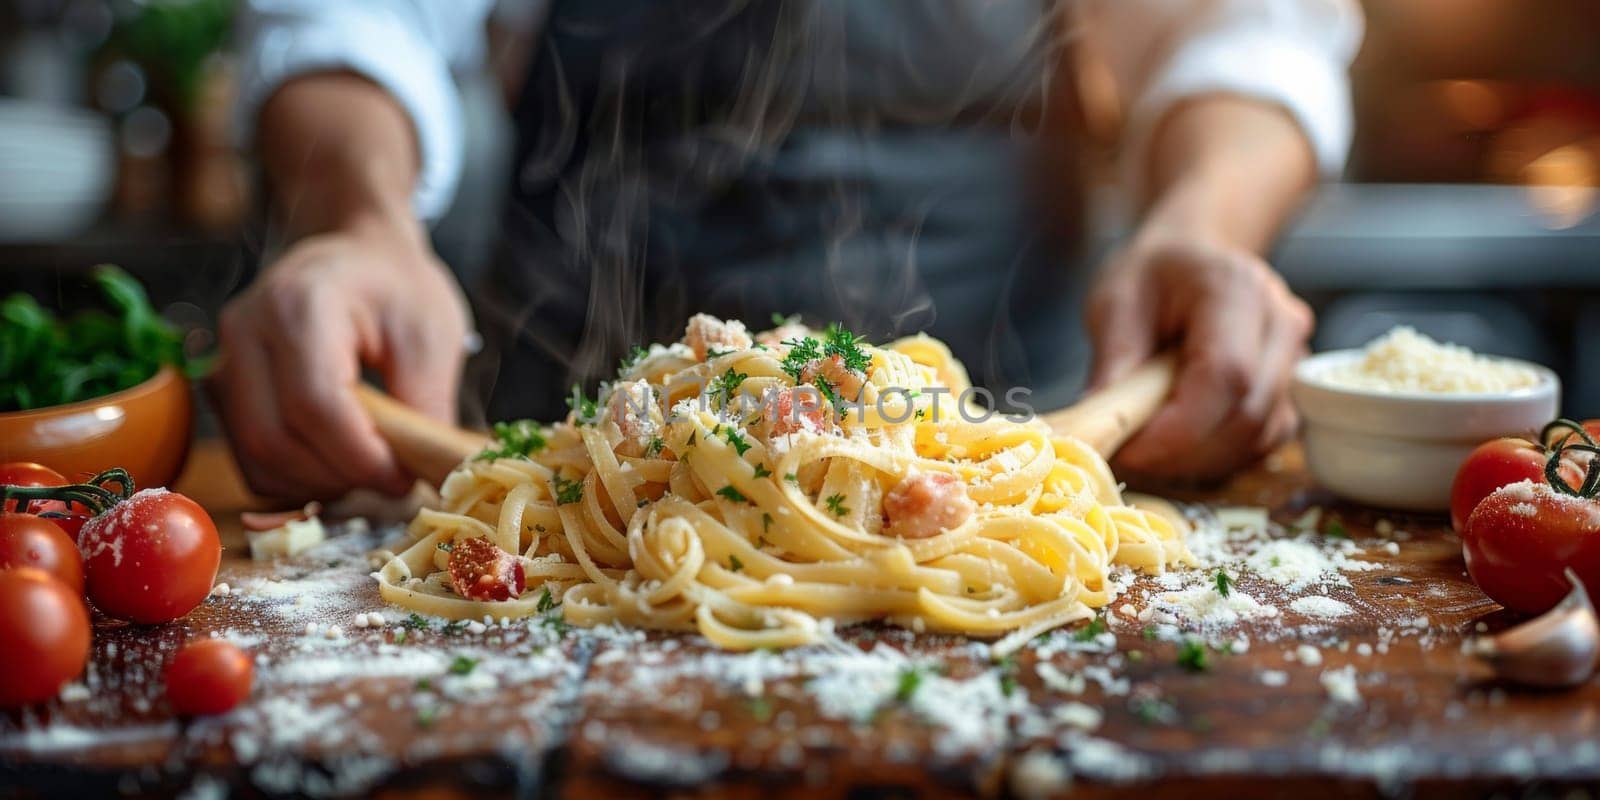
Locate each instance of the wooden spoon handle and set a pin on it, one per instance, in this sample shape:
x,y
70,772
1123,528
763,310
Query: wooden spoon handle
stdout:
x,y
426,447
1108,417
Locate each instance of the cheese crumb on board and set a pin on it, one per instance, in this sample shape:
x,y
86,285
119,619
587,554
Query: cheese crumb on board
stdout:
x,y
1341,686
1320,606
293,538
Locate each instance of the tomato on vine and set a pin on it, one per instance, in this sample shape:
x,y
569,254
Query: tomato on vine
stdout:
x,y
1508,460
27,540
148,556
1519,542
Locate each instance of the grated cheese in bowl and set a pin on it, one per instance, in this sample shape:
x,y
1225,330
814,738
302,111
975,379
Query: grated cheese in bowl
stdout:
x,y
1406,361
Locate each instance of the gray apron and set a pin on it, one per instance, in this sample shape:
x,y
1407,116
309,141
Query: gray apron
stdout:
x,y
872,163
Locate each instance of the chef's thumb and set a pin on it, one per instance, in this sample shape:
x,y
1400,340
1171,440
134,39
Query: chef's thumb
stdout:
x,y
1121,327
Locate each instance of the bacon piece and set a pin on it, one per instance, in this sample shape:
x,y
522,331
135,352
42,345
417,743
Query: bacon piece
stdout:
x,y
926,504
798,409
846,381
273,520
706,333
481,571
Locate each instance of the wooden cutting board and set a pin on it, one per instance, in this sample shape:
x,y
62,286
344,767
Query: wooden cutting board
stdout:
x,y
542,712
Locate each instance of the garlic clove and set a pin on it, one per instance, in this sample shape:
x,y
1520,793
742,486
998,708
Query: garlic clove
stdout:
x,y
1554,650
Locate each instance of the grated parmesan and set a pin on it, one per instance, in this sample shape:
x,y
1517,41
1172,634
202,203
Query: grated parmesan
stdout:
x,y
1404,360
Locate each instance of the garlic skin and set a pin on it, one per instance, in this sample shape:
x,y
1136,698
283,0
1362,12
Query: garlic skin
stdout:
x,y
1555,650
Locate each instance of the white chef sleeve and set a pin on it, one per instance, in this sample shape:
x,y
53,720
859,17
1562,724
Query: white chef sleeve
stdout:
x,y
1292,53
409,47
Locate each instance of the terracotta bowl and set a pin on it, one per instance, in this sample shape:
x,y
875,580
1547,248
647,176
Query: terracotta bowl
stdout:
x,y
145,429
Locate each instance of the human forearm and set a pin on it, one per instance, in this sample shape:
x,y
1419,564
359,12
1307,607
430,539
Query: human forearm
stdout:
x,y
1225,168
337,152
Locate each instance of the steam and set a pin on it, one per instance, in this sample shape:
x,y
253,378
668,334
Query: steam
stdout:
x,y
665,146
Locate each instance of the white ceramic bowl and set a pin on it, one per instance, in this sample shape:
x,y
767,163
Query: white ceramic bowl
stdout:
x,y
1402,450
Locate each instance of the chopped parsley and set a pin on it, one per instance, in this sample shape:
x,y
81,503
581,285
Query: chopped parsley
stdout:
x,y
766,522
1224,583
712,352
546,601
734,564
847,346
585,409
653,449
426,716
1335,529
724,387
736,439
1088,632
802,351
779,320
519,439
1008,674
1192,656
463,665
400,636
633,357
906,687
791,477
1153,711
446,546
835,503
762,471
733,494
414,622
567,491
1150,633
760,708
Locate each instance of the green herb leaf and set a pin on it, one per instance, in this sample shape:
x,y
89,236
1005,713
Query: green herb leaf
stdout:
x,y
463,665
546,601
762,471
1192,656
736,439
414,622
567,491
732,494
585,410
1090,632
1335,529
1224,583
518,439
734,564
906,687
835,503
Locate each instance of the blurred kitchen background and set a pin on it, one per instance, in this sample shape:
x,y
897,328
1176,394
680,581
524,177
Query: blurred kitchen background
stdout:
x,y
1469,209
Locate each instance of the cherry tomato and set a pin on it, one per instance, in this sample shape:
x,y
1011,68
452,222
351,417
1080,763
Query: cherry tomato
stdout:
x,y
209,676
481,571
1521,538
150,558
1498,463
27,473
30,541
44,633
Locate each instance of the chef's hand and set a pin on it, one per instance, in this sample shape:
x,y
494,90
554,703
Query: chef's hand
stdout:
x,y
293,345
1238,331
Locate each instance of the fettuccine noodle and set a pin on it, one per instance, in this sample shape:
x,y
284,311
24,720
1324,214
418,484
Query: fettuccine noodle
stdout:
x,y
766,521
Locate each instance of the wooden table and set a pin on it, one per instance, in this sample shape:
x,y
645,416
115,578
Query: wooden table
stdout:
x,y
542,711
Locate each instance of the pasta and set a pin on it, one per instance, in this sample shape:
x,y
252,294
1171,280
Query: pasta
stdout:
x,y
724,485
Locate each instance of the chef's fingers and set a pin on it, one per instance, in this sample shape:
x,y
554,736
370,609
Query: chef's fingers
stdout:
x,y
421,361
1257,423
313,350
1121,318
1217,368
272,461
